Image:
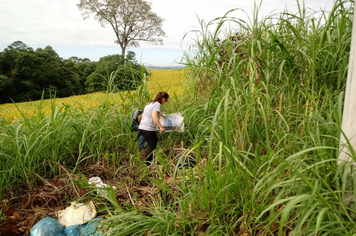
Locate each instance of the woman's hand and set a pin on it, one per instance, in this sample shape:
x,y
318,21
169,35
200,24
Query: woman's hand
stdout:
x,y
156,120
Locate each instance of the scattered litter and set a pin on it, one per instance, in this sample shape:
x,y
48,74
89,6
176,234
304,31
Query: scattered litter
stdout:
x,y
51,227
46,227
88,229
97,182
77,214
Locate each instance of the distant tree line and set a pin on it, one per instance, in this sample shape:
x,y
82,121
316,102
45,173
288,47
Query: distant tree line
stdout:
x,y
26,74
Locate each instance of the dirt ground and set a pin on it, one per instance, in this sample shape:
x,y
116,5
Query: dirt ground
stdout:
x,y
22,208
21,212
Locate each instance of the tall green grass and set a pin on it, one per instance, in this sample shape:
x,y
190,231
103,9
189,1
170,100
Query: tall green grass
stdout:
x,y
266,120
70,136
262,115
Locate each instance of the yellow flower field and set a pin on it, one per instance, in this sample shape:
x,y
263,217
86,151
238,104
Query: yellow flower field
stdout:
x,y
171,81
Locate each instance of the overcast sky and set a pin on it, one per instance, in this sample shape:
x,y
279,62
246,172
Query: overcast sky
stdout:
x,y
59,24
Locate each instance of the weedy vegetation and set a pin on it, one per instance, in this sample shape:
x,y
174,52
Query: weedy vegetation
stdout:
x,y
262,104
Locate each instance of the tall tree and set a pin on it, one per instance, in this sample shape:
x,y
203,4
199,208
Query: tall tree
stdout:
x,y
132,21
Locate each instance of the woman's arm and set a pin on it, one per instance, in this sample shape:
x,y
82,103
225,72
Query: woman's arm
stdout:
x,y
156,120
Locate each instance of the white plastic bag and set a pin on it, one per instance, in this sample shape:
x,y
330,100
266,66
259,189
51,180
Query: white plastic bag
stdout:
x,y
76,213
172,122
102,188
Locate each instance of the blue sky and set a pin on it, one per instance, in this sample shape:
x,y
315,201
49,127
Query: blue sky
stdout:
x,y
59,23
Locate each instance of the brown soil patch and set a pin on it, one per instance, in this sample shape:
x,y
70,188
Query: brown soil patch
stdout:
x,y
22,208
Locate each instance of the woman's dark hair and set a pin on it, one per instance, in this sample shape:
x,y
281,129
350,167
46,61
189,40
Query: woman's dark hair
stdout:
x,y
159,97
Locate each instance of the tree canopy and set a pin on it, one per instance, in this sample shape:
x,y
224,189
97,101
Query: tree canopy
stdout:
x,y
132,21
26,74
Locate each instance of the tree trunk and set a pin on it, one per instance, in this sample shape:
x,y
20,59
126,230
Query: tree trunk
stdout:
x,y
123,51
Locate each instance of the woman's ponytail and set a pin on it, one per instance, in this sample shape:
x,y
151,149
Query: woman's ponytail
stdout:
x,y
159,97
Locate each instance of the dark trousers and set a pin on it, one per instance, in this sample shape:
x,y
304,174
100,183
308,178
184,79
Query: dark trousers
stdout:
x,y
151,139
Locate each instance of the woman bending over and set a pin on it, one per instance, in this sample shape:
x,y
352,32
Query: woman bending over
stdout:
x,y
149,122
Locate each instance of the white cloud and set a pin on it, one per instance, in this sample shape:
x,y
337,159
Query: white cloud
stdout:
x,y
59,23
